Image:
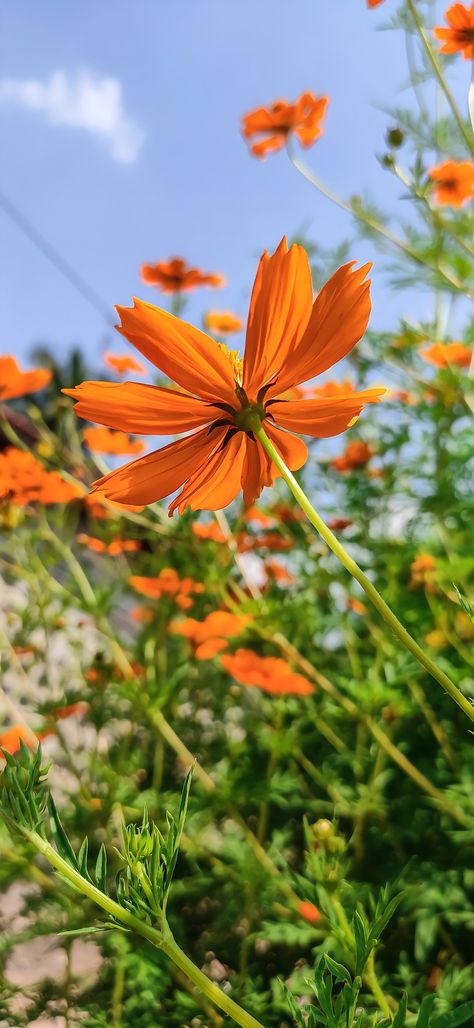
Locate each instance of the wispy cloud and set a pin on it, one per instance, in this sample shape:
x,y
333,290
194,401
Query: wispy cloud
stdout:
x,y
84,100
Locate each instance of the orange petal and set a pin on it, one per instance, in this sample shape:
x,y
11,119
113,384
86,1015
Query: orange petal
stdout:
x,y
280,309
339,318
217,481
159,474
291,449
139,408
258,471
186,355
321,417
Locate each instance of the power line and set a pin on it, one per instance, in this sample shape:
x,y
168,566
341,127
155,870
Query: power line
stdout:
x,y
56,259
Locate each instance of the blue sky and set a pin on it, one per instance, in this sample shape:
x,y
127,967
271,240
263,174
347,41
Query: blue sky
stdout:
x,y
173,177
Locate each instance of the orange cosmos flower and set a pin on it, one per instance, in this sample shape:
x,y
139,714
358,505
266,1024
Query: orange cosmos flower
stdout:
x,y
223,323
123,364
454,183
271,674
14,382
210,532
115,547
423,571
290,339
175,276
24,480
339,524
211,635
305,907
444,354
278,573
102,440
10,739
459,37
101,509
356,606
331,388
277,122
356,455
168,583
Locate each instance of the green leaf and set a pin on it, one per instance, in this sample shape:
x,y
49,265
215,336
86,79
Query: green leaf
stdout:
x,y
399,1019
424,1012
338,970
101,870
456,1017
64,847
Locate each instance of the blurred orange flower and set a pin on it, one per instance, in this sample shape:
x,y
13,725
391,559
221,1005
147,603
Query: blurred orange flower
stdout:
x,y
331,388
453,183
459,37
113,548
278,573
444,354
269,541
14,382
423,571
123,364
356,606
211,635
305,907
290,339
104,440
168,583
276,123
10,739
356,455
222,322
175,276
210,532
339,524
100,508
271,674
24,480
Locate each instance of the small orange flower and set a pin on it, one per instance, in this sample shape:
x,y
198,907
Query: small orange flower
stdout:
x,y
113,548
122,364
24,480
104,440
356,606
211,532
278,573
453,183
331,388
10,739
276,123
210,637
271,674
270,541
14,382
175,276
305,907
222,323
100,508
356,455
459,37
168,583
259,516
290,339
339,524
423,572
442,355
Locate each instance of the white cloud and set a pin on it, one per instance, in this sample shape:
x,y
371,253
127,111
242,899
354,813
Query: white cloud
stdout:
x,y
83,100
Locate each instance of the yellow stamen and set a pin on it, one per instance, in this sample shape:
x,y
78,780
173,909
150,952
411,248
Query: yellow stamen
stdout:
x,y
236,361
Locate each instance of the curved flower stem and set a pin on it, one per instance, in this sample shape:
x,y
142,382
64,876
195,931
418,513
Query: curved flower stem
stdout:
x,y
373,224
384,610
163,939
435,64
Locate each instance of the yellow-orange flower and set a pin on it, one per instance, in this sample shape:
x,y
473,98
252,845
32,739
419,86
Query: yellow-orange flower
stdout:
x,y
113,548
176,276
223,323
453,183
103,440
275,124
290,339
356,455
24,480
444,354
423,572
122,364
14,382
271,674
459,37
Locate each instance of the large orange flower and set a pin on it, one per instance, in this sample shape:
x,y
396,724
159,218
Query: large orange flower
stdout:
x,y
14,382
175,276
276,123
290,339
459,37
453,183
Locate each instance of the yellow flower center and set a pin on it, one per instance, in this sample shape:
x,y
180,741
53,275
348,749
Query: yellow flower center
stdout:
x,y
236,361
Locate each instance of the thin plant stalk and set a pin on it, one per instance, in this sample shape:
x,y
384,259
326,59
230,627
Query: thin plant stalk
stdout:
x,y
350,564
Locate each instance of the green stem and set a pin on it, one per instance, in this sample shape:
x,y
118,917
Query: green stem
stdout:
x,y
384,610
163,940
370,976
376,226
435,64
